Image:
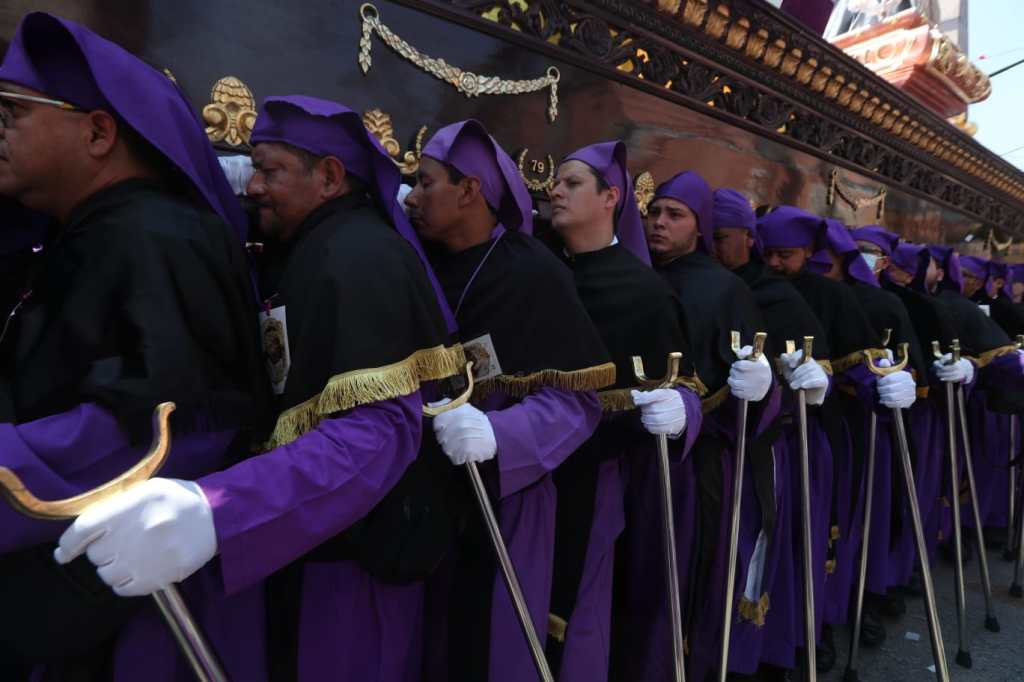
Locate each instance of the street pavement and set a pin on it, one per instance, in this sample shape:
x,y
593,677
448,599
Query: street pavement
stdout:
x,y
907,654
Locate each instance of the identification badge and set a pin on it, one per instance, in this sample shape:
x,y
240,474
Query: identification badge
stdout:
x,y
485,359
274,337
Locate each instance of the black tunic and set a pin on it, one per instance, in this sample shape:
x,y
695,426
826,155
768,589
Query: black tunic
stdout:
x,y
518,292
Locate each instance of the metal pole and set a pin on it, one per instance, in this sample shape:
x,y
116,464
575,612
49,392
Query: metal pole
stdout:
x,y
667,517
737,506
934,627
851,667
734,537
1016,590
963,654
193,645
1011,516
991,622
508,570
508,573
671,570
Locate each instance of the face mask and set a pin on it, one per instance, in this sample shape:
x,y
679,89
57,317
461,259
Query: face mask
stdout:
x,y
871,259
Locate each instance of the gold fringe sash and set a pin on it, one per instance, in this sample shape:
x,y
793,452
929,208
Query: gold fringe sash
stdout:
x,y
621,399
713,402
986,358
754,611
586,379
853,359
616,400
364,386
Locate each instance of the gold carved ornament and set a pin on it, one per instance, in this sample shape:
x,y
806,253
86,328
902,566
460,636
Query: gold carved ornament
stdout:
x,y
837,188
379,125
643,189
468,83
231,114
546,169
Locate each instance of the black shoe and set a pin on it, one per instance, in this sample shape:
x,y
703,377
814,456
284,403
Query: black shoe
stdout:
x,y
872,630
826,651
995,538
892,605
914,586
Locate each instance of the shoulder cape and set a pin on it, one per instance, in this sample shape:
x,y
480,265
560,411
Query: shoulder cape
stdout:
x,y
636,313
715,303
141,299
363,324
517,292
847,326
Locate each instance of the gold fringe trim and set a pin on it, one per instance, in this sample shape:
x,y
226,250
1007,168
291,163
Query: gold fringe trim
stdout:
x,y
853,359
364,386
616,400
986,358
694,384
712,403
621,399
825,365
587,379
834,533
830,567
754,612
557,627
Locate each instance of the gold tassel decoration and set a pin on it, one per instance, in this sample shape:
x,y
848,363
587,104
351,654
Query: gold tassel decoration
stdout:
x,y
587,379
616,400
712,403
830,567
557,627
847,361
986,358
754,611
694,384
364,386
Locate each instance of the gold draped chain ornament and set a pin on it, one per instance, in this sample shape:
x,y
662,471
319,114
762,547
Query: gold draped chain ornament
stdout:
x,y
836,187
643,189
468,83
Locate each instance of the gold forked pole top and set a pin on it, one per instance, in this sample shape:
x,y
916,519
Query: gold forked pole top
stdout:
x,y
808,348
737,344
904,352
886,337
1020,340
671,374
458,402
24,501
954,349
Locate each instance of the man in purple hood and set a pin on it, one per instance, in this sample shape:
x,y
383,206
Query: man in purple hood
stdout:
x,y
339,520
140,296
540,363
886,312
594,212
769,540
716,302
790,238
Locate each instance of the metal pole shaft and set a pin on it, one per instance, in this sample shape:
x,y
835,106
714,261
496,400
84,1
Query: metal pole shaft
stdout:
x,y
1011,516
734,537
1016,589
851,667
508,573
810,632
991,623
963,655
671,569
931,611
200,655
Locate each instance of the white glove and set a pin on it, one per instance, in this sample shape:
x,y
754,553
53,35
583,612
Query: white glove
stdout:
x,y
155,533
897,389
750,379
961,371
809,377
465,435
238,170
662,411
403,191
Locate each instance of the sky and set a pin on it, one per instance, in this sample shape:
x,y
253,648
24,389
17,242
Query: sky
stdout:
x,y
993,31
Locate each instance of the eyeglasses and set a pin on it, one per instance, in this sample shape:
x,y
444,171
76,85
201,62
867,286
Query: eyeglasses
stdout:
x,y
6,117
